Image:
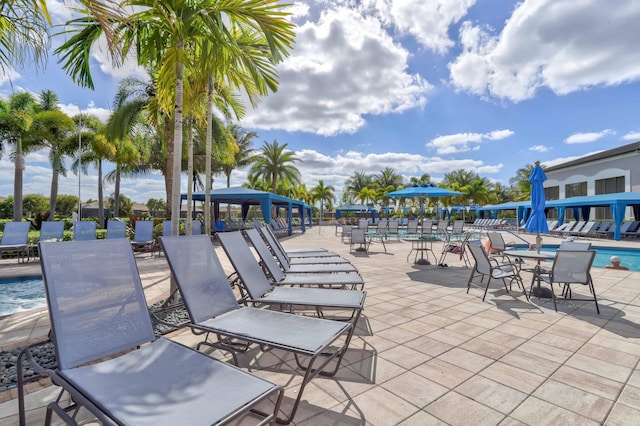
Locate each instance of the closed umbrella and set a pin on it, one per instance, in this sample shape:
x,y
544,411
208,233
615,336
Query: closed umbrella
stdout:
x,y
537,222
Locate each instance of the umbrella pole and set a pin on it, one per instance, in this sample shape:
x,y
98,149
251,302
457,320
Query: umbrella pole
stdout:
x,y
538,242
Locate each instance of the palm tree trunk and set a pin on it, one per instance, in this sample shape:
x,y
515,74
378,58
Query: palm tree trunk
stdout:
x,y
177,147
168,175
116,203
100,196
189,230
54,192
17,183
207,158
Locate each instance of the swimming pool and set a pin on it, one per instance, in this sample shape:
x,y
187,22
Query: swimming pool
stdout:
x,y
21,294
629,257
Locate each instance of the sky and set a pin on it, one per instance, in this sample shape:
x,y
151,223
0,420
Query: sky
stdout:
x,y
421,86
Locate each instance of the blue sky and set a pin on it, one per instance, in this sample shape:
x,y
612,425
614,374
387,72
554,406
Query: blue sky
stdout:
x,y
420,86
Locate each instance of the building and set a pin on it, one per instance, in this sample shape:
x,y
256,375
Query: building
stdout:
x,y
607,172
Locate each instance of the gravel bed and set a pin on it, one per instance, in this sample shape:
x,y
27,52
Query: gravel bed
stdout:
x,y
45,355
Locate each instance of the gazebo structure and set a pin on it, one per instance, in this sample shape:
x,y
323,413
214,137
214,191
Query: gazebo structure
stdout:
x,y
617,202
246,197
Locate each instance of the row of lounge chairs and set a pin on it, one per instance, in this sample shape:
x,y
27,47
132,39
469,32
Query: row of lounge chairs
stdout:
x,y
163,382
595,229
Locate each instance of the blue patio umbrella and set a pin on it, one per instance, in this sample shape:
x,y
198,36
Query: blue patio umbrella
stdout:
x,y
422,191
537,222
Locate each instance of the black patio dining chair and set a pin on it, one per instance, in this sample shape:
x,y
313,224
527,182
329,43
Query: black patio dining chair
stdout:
x,y
571,267
491,269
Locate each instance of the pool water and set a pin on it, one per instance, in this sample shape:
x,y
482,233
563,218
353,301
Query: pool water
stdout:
x,y
629,257
21,294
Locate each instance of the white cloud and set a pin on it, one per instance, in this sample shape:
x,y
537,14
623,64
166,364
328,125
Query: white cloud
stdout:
x,y
539,148
342,68
335,169
561,160
588,137
8,74
460,142
427,21
632,136
563,45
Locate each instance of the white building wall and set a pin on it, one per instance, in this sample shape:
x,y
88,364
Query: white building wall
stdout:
x,y
627,165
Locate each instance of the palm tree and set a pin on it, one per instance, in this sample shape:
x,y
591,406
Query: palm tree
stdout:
x,y
275,162
356,183
165,34
521,182
388,177
16,118
366,194
24,28
95,149
461,176
424,179
323,193
244,155
53,129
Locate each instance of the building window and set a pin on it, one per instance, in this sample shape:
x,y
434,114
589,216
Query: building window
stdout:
x,y
552,193
575,189
608,186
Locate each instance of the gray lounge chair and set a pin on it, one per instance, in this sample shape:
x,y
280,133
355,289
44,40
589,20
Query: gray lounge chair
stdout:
x,y
309,267
266,231
143,236
99,317
116,229
14,239
213,309
327,280
84,230
260,291
49,231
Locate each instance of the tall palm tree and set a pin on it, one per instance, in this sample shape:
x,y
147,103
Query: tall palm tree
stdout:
x,y
275,163
53,129
323,193
165,33
16,118
388,177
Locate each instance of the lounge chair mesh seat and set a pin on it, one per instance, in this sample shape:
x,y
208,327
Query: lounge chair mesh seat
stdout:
x,y
213,309
14,239
330,280
98,310
259,289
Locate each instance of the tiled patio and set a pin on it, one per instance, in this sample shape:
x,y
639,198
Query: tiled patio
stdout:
x,y
426,352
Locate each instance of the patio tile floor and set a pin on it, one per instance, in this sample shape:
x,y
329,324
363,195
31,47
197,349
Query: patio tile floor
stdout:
x,y
428,353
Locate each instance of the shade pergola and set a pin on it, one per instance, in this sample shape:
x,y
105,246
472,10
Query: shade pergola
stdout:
x,y
617,202
355,209
246,197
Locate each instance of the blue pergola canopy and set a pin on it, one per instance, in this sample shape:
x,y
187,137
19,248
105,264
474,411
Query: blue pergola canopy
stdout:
x,y
246,197
617,202
355,209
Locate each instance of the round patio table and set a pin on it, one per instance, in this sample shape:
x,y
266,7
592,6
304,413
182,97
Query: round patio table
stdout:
x,y
538,256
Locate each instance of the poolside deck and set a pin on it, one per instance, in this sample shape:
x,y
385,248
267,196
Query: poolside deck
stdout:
x,y
426,352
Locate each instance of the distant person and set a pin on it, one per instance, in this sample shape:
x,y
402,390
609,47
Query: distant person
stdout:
x,y
615,264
